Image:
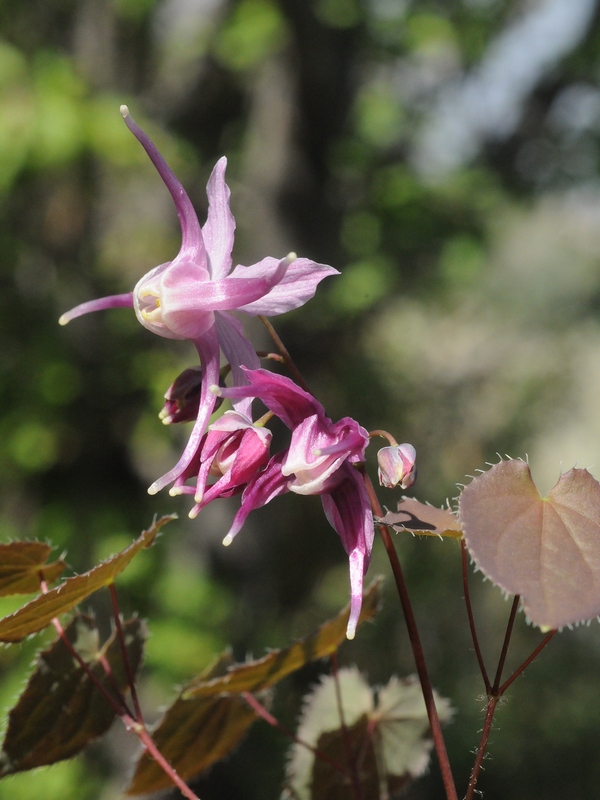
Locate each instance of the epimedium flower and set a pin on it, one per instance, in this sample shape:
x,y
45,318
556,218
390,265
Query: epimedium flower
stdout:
x,y
192,296
233,450
397,466
318,461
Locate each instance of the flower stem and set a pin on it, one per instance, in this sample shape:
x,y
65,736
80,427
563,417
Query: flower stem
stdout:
x,y
417,647
287,359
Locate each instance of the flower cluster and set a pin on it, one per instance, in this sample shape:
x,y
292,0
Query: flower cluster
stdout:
x,y
192,297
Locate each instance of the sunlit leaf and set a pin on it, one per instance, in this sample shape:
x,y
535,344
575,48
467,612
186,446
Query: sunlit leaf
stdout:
x,y
23,565
416,517
267,671
209,718
545,549
37,614
385,738
61,710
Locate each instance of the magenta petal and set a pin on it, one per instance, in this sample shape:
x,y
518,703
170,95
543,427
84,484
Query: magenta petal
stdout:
x,y
208,349
283,397
297,287
113,301
348,511
192,242
268,484
220,225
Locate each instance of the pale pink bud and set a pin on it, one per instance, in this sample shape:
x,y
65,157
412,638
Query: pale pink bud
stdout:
x,y
397,466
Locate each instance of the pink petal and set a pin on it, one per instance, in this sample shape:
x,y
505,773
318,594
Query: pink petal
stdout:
x,y
220,224
208,349
239,353
297,287
113,301
192,242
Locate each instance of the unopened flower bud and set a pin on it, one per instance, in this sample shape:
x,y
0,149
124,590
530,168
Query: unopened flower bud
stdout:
x,y
183,397
397,466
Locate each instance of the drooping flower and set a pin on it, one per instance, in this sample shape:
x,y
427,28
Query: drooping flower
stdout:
x,y
397,466
319,460
192,296
233,450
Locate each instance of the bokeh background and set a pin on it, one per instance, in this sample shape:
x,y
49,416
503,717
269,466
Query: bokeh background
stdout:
x,y
444,156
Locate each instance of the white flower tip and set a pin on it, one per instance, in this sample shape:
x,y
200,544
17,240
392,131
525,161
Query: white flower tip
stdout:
x,y
64,319
290,258
175,491
124,111
194,512
228,540
317,452
215,389
153,489
166,420
350,632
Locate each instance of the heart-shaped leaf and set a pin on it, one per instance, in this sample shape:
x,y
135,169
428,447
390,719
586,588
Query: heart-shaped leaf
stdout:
x,y
545,549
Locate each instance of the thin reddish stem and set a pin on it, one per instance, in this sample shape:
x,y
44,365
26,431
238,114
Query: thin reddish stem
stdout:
x,y
481,750
474,637
350,755
119,705
287,359
264,714
124,656
527,662
417,648
504,651
162,762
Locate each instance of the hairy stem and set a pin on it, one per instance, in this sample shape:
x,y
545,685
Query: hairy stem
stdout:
x,y
481,750
417,648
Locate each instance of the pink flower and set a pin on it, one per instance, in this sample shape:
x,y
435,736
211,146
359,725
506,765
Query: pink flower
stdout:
x,y
192,296
233,450
397,466
318,461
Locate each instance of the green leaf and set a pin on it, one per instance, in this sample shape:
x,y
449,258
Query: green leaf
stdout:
x,y
208,718
422,519
23,565
61,710
385,734
545,549
37,614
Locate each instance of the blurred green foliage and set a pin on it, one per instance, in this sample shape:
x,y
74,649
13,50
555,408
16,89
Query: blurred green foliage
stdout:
x,y
465,321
